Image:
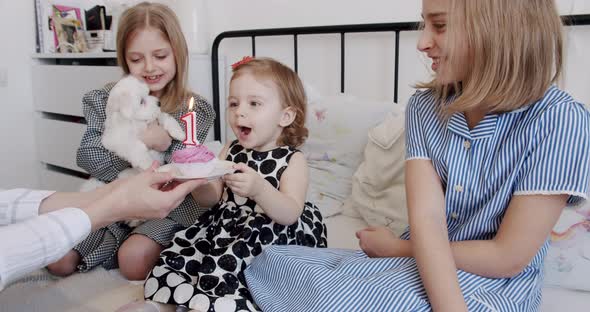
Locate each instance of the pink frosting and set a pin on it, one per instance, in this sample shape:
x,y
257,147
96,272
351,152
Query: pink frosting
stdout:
x,y
197,154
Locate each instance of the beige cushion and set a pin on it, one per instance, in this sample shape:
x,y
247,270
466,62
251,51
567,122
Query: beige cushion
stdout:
x,y
378,191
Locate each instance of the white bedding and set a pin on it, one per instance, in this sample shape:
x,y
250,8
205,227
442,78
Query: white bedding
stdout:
x,y
100,290
341,231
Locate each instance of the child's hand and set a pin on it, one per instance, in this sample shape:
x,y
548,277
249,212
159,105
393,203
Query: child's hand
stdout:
x,y
245,182
379,242
155,137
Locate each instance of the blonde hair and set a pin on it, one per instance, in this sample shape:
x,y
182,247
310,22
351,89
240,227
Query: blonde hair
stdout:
x,y
160,17
290,90
515,52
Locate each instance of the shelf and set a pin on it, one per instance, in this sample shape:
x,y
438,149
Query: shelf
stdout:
x,y
89,55
95,55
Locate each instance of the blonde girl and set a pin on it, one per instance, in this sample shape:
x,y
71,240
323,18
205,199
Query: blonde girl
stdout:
x,y
494,153
151,47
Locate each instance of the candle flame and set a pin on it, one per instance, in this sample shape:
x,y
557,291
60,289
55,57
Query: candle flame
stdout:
x,y
191,103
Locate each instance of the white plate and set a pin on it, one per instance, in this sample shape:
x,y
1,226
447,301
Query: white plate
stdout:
x,y
211,171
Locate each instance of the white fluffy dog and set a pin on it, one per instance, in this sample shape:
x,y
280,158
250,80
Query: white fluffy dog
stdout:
x,y
129,110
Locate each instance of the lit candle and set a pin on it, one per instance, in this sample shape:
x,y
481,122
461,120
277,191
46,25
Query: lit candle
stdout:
x,y
190,125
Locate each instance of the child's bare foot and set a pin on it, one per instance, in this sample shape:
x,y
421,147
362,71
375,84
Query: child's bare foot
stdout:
x,y
66,265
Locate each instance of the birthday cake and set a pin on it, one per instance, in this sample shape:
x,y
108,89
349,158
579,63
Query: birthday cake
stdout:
x,y
199,154
196,163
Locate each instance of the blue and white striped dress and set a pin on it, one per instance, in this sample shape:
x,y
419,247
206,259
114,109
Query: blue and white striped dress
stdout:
x,y
543,148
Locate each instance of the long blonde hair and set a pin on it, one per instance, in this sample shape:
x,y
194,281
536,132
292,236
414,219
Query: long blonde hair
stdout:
x,y
515,52
290,90
161,17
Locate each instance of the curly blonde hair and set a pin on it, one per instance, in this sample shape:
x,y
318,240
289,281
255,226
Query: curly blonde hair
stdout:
x,y
290,90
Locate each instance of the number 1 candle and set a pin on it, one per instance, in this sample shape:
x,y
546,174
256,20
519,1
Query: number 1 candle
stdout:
x,y
190,125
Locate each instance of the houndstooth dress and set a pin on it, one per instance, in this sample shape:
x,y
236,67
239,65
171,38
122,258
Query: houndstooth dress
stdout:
x,y
100,248
204,268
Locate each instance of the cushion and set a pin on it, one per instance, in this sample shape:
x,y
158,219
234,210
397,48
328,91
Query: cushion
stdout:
x,y
378,190
567,264
337,135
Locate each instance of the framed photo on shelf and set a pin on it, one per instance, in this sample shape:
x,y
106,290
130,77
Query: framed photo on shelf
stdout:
x,y
68,30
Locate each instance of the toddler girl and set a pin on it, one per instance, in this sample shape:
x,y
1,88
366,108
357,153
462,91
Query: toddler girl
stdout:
x,y
260,205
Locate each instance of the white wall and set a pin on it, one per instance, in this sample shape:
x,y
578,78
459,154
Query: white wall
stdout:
x,y
231,14
236,14
366,55
17,151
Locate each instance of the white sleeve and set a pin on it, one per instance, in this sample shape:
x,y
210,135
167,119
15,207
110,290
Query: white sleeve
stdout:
x,y
37,242
20,204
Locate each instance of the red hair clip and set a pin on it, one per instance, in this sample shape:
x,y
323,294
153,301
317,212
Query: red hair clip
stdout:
x,y
243,61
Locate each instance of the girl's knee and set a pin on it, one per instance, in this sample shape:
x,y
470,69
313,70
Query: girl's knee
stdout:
x,y
66,265
137,256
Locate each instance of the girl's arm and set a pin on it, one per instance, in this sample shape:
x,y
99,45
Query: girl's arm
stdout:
x,y
426,210
519,238
92,156
526,225
209,194
285,205
429,237
554,171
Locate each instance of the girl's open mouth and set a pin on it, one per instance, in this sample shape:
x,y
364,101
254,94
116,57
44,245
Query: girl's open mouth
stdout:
x,y
244,132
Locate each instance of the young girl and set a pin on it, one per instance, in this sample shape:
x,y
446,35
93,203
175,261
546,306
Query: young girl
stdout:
x,y
494,153
151,47
262,204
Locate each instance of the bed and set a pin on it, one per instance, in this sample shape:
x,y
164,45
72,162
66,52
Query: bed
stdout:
x,y
391,59
560,292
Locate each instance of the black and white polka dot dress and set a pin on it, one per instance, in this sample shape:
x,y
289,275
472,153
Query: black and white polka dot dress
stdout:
x,y
204,268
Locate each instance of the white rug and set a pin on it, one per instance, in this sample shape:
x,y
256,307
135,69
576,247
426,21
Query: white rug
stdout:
x,y
95,291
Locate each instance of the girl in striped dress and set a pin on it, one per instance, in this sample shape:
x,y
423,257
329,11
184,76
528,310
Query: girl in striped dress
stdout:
x,y
494,152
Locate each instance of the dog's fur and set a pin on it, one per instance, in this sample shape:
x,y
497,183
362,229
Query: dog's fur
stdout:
x,y
129,110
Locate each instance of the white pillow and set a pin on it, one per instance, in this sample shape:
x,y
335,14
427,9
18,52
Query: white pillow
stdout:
x,y
338,127
567,263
